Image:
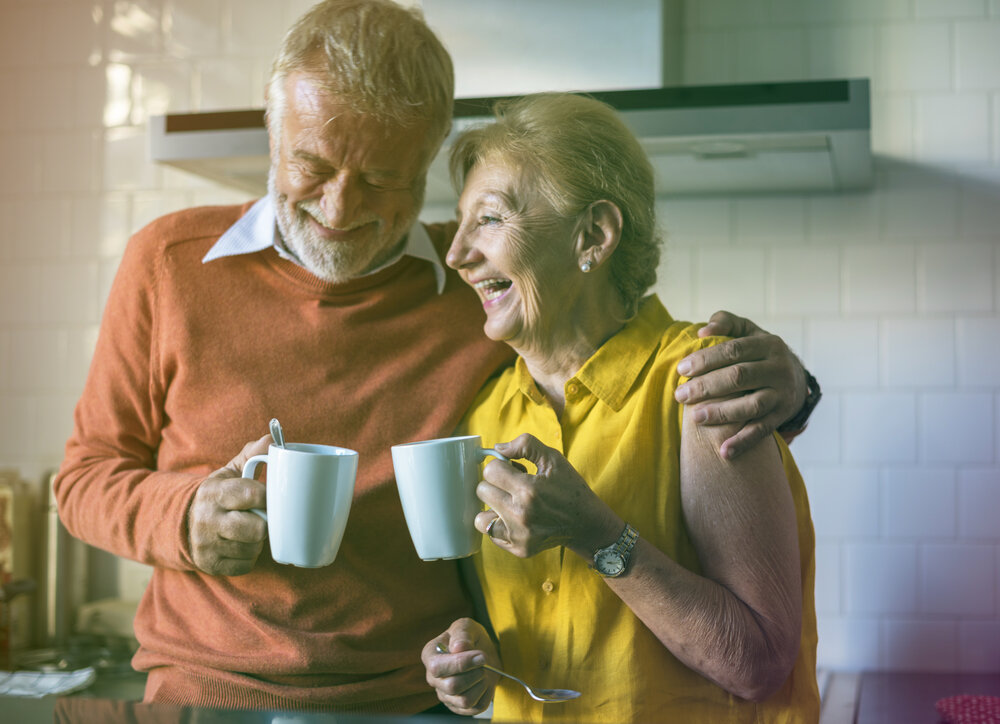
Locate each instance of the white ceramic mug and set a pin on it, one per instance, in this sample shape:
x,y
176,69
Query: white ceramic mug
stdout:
x,y
437,482
309,494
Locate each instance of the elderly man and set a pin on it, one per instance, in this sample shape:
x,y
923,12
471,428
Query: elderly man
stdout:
x,y
324,304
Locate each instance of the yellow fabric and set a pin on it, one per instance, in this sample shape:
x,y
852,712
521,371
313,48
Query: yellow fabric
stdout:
x,y
558,624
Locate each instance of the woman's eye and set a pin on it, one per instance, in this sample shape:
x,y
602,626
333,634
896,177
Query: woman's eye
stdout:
x,y
488,220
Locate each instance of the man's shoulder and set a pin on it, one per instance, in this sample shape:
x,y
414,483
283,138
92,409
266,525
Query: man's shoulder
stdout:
x,y
204,224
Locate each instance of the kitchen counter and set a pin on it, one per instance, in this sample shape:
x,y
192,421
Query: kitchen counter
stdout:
x,y
89,710
882,698
909,697
115,698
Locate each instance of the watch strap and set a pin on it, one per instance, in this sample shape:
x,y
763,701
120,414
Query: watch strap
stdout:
x,y
797,423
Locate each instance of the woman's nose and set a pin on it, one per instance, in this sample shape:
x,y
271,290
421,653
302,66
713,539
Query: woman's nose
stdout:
x,y
460,252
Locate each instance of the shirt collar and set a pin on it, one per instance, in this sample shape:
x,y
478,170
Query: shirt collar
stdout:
x,y
257,230
611,372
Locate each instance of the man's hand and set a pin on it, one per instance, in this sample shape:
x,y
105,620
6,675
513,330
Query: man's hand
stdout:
x,y
224,536
754,379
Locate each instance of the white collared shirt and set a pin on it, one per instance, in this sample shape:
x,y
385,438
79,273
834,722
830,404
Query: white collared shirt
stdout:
x,y
258,229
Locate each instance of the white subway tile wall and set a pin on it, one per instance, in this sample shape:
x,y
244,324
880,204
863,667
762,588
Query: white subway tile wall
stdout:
x,y
957,579
919,503
881,578
908,361
907,642
891,296
845,502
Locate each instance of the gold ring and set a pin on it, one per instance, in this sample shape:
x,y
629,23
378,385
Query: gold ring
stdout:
x,y
489,528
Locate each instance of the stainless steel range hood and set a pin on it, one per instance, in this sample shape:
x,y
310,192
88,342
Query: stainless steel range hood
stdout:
x,y
809,136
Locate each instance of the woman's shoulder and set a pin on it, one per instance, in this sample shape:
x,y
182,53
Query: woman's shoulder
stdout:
x,y
676,337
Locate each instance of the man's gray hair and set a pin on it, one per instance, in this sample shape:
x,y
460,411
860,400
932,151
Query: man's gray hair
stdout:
x,y
378,57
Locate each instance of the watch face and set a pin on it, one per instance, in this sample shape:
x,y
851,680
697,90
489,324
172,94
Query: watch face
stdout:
x,y
609,563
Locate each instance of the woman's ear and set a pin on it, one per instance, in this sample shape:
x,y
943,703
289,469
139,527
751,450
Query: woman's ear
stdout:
x,y
600,232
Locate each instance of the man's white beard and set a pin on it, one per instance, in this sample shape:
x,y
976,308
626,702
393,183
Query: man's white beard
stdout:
x,y
333,262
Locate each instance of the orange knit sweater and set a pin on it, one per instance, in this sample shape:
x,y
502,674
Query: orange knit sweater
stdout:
x,y
192,361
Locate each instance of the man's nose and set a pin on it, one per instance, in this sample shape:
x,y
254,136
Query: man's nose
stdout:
x,y
342,200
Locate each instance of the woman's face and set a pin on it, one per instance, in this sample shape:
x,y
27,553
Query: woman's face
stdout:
x,y
517,253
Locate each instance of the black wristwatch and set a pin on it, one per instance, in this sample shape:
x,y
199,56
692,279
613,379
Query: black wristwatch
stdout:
x,y
613,560
798,423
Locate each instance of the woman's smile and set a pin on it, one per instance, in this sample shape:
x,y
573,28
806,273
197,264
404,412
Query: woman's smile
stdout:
x,y
493,290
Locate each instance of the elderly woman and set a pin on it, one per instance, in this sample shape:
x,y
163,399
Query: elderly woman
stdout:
x,y
630,560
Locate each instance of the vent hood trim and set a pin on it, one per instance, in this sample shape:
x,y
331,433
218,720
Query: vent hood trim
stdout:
x,y
767,137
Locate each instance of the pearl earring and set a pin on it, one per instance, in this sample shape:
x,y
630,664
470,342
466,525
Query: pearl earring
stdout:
x,y
586,266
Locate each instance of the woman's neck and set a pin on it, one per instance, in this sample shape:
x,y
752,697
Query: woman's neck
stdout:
x,y
555,357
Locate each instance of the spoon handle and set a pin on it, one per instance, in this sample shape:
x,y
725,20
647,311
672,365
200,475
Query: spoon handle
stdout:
x,y
276,433
504,673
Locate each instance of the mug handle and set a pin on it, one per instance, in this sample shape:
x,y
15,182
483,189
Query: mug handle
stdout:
x,y
250,471
484,452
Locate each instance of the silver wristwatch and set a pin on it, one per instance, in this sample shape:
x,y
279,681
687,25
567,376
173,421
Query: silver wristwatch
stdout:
x,y
612,561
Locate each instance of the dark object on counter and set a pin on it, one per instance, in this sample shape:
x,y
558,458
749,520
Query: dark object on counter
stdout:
x,y
9,591
108,654
969,709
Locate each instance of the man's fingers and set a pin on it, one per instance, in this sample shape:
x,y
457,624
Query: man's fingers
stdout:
x,y
747,437
226,538
232,566
248,551
740,409
241,527
720,383
236,493
743,349
234,468
727,324
238,550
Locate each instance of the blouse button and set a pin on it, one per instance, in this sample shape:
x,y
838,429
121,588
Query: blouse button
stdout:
x,y
548,586
572,388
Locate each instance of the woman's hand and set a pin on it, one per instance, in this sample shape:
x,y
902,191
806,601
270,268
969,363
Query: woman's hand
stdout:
x,y
457,674
551,508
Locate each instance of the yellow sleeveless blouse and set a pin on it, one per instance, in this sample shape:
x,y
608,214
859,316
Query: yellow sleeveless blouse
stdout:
x,y
558,624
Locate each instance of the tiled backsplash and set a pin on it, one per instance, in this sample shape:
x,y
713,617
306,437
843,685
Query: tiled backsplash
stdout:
x,y
892,297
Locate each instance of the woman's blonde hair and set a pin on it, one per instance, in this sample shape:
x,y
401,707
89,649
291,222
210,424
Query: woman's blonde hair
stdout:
x,y
374,55
576,150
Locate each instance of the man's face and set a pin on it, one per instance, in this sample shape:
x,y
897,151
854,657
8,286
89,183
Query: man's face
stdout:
x,y
346,187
